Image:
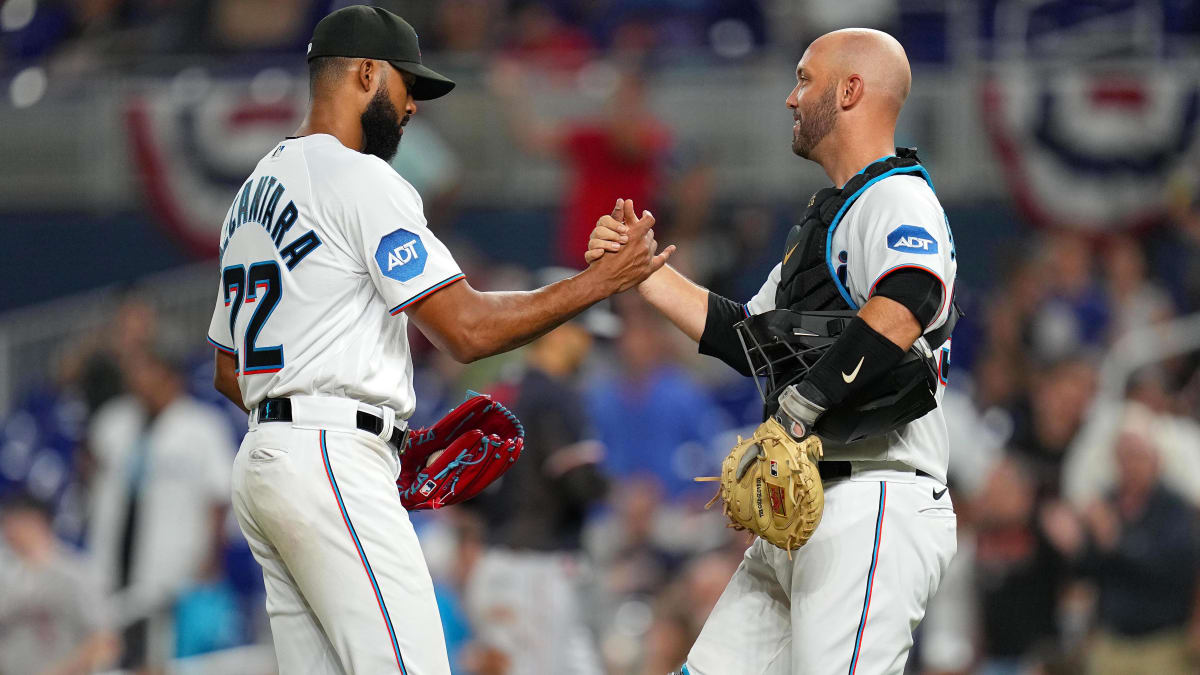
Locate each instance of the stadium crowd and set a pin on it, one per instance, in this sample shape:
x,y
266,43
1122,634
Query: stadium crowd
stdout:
x,y
1079,537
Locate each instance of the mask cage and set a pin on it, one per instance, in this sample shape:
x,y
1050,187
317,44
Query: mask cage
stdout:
x,y
781,346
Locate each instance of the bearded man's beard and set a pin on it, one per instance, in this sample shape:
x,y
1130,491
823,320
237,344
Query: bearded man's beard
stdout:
x,y
381,126
816,124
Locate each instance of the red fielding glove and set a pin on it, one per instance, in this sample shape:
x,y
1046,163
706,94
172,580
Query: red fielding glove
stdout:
x,y
480,438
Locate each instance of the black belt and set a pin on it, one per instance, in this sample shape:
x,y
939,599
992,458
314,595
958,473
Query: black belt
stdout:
x,y
832,470
280,410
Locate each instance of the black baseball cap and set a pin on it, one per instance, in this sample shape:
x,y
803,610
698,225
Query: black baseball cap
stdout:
x,y
363,32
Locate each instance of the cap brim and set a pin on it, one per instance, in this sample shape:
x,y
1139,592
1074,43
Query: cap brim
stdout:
x,y
430,84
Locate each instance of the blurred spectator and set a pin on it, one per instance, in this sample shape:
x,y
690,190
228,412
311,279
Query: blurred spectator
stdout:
x,y
159,499
1074,314
629,546
652,416
53,617
635,562
1136,301
1175,253
1012,305
1049,416
523,596
453,544
1143,550
682,608
621,154
731,260
1019,572
93,366
1090,469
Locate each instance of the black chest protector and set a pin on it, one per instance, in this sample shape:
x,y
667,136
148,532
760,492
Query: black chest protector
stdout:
x,y
809,279
814,306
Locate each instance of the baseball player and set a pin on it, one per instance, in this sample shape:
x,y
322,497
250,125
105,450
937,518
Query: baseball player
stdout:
x,y
325,256
879,247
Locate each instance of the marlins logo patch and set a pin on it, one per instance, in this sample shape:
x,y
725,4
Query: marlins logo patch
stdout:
x,y
912,239
401,255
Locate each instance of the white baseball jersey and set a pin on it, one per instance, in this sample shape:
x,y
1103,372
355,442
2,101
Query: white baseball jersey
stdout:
x,y
321,252
896,223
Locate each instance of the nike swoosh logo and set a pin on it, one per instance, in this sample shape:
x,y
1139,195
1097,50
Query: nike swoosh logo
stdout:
x,y
789,253
937,494
854,373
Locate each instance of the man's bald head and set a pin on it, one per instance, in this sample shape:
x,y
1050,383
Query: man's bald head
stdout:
x,y
850,83
875,56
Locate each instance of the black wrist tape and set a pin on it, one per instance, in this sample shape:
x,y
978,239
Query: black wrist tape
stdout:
x,y
719,338
858,357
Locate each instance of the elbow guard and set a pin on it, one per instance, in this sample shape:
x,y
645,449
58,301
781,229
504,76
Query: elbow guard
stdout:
x,y
719,338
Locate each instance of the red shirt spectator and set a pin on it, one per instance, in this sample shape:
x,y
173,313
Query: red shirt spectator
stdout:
x,y
619,155
605,164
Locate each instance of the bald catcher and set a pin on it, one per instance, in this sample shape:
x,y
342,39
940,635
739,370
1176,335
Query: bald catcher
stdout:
x,y
864,291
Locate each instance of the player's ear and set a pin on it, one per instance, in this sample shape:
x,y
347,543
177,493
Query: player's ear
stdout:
x,y
368,72
851,92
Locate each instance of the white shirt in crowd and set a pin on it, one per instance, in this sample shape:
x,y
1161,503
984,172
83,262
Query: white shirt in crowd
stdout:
x,y
182,462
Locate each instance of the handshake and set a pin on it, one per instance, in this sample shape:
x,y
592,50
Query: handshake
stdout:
x,y
797,413
627,266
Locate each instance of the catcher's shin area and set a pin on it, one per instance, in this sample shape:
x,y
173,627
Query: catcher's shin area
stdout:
x,y
770,485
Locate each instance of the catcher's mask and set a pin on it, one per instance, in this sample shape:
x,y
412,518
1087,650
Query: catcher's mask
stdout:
x,y
782,346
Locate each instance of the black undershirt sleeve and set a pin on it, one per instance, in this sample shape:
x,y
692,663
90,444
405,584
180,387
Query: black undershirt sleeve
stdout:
x,y
719,338
917,289
858,357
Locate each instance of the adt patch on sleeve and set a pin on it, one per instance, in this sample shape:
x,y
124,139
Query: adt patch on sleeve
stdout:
x,y
912,239
401,255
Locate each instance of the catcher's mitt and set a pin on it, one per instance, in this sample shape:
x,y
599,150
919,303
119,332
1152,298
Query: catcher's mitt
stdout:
x,y
771,486
480,440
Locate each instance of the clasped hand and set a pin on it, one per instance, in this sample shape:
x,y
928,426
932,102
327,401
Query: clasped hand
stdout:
x,y
630,265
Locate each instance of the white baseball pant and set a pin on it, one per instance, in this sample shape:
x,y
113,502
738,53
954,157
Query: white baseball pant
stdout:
x,y
348,590
848,600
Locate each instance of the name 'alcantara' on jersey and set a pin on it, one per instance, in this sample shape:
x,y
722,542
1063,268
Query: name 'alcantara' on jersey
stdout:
x,y
260,208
